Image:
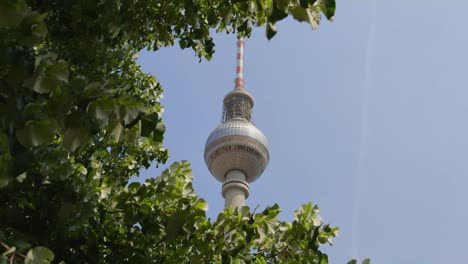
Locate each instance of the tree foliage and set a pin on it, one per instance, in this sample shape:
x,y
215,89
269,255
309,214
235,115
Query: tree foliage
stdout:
x,y
79,118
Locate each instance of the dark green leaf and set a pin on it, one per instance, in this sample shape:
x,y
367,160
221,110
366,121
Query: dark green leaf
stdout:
x,y
75,136
34,17
37,132
158,134
102,109
175,225
59,71
277,15
148,123
300,14
93,90
271,30
39,31
11,13
48,75
366,261
282,5
133,187
304,3
328,8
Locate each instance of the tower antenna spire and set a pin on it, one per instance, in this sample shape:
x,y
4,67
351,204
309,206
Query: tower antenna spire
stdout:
x,y
240,64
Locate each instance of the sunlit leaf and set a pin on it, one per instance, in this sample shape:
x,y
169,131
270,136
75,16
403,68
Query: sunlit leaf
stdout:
x,y
202,205
39,255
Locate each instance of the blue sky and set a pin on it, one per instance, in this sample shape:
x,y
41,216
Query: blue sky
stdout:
x,y
367,117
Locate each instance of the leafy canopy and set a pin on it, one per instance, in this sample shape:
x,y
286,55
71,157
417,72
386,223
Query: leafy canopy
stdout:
x,y
79,118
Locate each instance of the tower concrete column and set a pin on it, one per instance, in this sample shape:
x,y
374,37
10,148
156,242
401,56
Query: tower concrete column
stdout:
x,y
235,189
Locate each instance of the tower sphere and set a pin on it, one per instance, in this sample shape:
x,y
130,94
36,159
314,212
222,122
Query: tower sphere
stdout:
x,y
236,145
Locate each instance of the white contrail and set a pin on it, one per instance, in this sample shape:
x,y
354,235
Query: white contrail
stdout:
x,y
363,145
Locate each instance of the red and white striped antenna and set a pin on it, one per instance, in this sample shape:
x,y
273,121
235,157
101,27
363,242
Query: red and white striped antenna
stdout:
x,y
240,64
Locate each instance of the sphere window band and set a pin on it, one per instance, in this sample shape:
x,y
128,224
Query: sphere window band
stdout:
x,y
239,140
242,131
224,149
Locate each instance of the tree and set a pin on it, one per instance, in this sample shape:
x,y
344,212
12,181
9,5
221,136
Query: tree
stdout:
x,y
79,119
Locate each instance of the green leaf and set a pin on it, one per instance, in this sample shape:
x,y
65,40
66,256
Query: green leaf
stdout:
x,y
101,109
34,108
175,224
34,17
261,260
63,171
93,90
366,261
159,130
39,255
59,71
283,5
39,31
20,178
300,14
228,17
245,210
129,110
130,114
66,212
75,136
202,205
304,3
44,60
48,75
133,134
306,15
271,30
116,130
12,13
148,123
328,8
133,187
277,15
42,85
37,132
314,18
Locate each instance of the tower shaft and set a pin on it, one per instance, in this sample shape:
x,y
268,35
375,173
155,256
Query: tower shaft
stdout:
x,y
235,189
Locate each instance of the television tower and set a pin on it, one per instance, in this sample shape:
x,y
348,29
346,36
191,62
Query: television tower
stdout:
x,y
236,152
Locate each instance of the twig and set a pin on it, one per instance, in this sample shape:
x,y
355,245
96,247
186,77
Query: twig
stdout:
x,y
8,248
